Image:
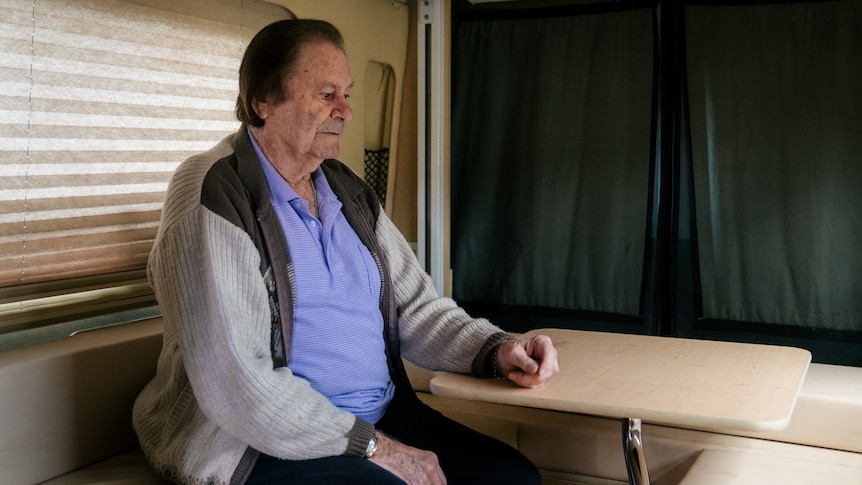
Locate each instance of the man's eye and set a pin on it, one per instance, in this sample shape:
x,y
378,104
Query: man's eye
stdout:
x,y
328,95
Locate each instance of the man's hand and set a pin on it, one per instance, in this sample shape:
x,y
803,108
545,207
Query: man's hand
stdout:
x,y
414,466
528,363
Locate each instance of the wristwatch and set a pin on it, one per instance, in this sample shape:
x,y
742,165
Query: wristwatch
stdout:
x,y
372,447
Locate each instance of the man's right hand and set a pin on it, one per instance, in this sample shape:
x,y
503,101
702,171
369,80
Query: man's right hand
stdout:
x,y
414,466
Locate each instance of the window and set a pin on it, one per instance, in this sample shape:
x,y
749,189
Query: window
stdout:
x,y
100,101
750,218
773,171
552,155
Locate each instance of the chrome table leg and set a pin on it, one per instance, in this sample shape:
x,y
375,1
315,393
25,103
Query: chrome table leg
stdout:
x,y
633,449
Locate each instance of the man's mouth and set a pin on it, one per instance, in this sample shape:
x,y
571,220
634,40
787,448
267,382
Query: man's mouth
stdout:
x,y
331,130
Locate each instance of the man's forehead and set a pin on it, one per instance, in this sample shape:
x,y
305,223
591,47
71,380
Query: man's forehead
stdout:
x,y
324,64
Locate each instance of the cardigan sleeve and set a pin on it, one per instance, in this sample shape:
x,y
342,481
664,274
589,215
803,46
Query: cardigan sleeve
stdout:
x,y
435,332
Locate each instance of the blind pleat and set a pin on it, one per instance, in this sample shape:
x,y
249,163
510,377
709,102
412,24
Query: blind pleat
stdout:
x,y
100,100
91,258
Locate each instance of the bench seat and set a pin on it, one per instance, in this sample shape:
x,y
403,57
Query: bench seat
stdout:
x,y
66,419
129,468
732,467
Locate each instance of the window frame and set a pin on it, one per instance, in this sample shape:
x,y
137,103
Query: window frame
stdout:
x,y
35,311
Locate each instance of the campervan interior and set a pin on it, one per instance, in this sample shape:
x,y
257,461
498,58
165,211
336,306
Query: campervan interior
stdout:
x,y
675,168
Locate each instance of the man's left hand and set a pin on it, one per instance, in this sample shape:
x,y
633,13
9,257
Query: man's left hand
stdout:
x,y
528,363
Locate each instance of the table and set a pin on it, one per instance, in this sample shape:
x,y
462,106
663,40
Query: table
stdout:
x,y
674,381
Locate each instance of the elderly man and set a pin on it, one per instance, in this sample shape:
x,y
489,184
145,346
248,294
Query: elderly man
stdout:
x,y
289,299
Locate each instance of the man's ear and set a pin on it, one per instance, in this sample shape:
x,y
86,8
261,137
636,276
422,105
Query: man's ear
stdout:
x,y
261,108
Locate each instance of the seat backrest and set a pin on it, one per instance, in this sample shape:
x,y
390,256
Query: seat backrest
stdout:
x,y
67,403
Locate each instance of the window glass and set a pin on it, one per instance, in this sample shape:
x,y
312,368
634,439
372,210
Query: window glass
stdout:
x,y
100,100
551,158
776,113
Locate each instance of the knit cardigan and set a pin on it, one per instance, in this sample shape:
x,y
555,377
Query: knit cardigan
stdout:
x,y
221,271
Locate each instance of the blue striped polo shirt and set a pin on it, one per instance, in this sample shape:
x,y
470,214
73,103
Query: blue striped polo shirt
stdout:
x,y
337,343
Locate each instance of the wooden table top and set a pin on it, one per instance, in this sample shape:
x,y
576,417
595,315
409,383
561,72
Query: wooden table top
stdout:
x,y
674,381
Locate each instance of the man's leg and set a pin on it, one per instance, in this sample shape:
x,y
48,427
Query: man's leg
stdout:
x,y
466,456
336,470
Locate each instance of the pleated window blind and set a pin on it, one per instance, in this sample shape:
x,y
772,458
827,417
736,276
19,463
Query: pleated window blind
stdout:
x,y
100,100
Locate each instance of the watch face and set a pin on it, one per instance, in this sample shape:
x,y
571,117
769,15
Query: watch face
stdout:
x,y
372,447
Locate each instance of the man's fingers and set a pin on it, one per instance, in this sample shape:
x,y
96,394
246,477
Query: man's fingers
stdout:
x,y
529,363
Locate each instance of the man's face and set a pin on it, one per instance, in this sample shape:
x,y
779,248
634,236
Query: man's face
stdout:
x,y
307,126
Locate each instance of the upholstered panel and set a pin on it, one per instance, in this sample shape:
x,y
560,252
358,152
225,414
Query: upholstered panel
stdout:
x,y
66,418
68,403
130,468
829,410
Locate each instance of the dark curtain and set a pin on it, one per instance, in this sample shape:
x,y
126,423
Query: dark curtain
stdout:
x,y
775,105
552,147
720,198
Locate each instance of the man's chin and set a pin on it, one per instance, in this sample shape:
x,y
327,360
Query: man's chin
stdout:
x,y
327,146
329,153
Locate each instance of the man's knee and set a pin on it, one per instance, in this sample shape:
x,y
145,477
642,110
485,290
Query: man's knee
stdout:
x,y
519,472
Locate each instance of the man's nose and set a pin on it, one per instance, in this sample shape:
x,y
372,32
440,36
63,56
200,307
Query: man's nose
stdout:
x,y
343,111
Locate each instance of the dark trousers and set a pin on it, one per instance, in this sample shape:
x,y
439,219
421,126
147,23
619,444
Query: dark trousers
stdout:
x,y
466,457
